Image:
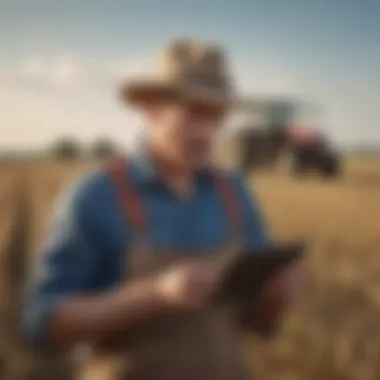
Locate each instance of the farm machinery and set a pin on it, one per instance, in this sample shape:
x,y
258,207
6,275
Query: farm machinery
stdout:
x,y
278,135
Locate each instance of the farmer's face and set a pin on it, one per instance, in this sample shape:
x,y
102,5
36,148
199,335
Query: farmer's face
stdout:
x,y
185,132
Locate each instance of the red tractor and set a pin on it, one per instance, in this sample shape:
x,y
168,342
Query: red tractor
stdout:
x,y
273,134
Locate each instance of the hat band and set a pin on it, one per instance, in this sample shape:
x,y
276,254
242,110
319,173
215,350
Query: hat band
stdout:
x,y
204,80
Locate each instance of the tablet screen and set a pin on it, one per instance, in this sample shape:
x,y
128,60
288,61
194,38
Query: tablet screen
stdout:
x,y
249,272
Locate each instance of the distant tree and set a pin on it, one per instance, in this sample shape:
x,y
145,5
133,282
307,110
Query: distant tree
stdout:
x,y
66,149
102,149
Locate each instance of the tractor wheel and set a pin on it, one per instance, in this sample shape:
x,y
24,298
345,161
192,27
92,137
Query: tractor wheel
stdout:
x,y
291,165
331,167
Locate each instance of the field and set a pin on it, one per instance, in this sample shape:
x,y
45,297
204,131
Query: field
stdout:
x,y
334,333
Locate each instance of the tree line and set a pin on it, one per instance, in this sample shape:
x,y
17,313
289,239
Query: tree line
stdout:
x,y
70,149
62,149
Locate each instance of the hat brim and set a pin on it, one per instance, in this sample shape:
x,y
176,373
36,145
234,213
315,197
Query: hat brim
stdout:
x,y
140,92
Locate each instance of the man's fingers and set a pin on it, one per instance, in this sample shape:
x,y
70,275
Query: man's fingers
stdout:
x,y
190,284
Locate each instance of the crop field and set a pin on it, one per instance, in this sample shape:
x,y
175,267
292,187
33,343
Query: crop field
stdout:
x,y
333,334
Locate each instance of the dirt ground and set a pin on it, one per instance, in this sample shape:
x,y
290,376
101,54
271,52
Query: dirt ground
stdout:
x,y
335,334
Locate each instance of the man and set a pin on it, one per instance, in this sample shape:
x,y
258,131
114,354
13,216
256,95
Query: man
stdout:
x,y
130,253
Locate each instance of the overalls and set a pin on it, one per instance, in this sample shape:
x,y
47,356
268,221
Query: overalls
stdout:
x,y
201,345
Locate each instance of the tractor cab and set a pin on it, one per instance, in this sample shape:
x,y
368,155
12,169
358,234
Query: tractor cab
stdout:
x,y
268,129
273,115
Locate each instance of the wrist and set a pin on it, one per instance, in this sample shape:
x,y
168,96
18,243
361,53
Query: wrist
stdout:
x,y
153,294
145,292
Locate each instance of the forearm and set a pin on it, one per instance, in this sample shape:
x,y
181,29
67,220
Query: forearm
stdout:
x,y
91,318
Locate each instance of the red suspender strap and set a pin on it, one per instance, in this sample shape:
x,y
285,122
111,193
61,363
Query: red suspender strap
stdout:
x,y
132,205
227,193
127,196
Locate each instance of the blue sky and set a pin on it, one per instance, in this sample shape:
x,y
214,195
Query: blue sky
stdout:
x,y
60,61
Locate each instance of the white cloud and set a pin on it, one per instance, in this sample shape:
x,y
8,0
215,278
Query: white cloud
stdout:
x,y
29,119
45,96
68,73
349,105
268,76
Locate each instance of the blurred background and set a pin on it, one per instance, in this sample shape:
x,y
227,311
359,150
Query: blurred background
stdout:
x,y
307,137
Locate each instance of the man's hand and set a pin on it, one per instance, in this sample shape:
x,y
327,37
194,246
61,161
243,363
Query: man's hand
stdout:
x,y
187,286
96,317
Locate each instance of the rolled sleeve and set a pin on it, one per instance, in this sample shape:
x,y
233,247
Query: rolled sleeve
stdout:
x,y
255,228
69,262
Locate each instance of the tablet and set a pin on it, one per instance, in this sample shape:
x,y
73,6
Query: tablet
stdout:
x,y
249,271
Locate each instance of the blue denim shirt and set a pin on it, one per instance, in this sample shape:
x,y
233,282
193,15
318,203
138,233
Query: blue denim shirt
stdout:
x,y
88,242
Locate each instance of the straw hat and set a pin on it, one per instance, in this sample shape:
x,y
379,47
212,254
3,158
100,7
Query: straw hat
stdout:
x,y
186,69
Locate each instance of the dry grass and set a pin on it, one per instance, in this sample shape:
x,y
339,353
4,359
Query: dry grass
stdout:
x,y
336,332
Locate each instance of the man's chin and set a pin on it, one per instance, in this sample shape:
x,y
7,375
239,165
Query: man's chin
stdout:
x,y
190,162
196,164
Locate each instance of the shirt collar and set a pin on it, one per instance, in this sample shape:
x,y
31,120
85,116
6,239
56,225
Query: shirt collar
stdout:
x,y
147,173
